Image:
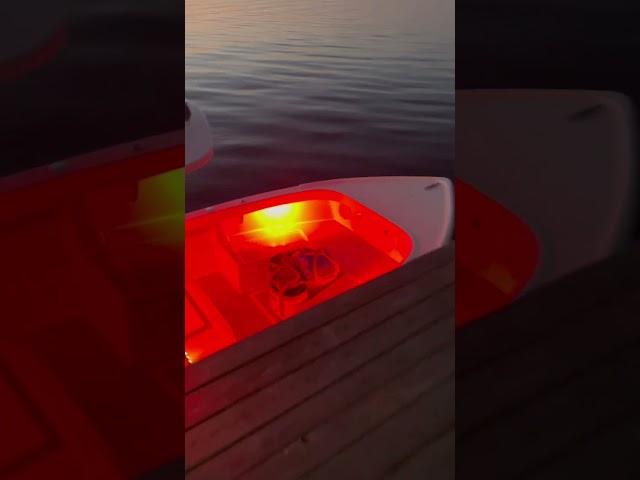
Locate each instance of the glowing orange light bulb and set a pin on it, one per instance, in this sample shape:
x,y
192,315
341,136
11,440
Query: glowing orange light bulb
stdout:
x,y
277,212
277,225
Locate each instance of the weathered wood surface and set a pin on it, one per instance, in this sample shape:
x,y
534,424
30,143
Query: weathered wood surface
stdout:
x,y
550,387
361,387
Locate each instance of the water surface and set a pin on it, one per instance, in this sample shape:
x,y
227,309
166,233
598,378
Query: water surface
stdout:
x,y
303,90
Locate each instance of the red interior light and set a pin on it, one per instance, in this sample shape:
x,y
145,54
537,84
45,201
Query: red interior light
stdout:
x,y
252,265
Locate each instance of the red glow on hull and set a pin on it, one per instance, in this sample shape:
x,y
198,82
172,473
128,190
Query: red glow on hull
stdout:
x,y
93,309
232,289
200,163
496,255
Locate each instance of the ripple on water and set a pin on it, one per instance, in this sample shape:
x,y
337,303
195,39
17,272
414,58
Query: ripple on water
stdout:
x,y
298,91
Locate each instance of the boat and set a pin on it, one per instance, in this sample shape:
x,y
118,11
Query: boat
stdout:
x,y
253,262
92,217
93,259
546,188
497,255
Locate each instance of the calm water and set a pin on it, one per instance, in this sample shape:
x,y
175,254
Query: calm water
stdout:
x,y
302,90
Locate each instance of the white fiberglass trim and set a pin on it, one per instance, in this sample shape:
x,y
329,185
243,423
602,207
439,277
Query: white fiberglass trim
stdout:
x,y
199,144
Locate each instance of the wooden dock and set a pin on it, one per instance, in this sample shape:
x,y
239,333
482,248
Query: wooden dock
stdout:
x,y
361,387
549,388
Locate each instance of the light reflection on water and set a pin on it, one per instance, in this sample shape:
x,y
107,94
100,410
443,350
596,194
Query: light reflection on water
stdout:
x,y
303,90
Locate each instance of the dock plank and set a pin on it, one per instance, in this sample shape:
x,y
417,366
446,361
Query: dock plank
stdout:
x,y
401,431
246,415
333,372
436,456
292,426
213,397
556,374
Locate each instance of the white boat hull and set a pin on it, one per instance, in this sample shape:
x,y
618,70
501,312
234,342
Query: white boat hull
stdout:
x,y
198,142
421,206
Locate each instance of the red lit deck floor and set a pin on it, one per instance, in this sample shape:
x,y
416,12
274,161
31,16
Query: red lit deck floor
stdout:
x,y
360,387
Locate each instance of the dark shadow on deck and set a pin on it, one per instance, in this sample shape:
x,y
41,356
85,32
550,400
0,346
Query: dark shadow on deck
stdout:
x,y
549,388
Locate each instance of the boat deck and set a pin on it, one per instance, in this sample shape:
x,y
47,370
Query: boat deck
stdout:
x,y
361,387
